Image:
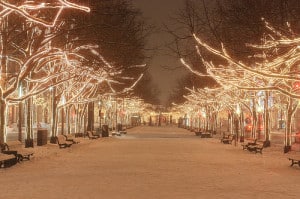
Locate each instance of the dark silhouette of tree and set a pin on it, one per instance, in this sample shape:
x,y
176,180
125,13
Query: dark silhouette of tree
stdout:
x,y
189,81
231,22
148,90
120,31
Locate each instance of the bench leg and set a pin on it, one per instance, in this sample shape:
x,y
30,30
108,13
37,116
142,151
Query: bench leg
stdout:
x,y
294,162
27,157
20,158
258,150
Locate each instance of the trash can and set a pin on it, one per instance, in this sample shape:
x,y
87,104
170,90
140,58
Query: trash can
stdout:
x,y
42,135
105,131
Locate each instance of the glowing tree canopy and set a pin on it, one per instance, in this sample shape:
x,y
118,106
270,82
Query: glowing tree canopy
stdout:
x,y
274,70
34,10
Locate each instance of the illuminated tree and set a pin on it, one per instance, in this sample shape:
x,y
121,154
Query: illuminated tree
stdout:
x,y
39,12
120,32
274,69
33,65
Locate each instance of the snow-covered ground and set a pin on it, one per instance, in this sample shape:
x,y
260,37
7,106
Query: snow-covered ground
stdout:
x,y
152,162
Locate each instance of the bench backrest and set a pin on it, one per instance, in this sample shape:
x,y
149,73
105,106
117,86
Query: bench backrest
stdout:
x,y
11,145
90,134
70,136
4,147
263,143
251,140
231,137
61,139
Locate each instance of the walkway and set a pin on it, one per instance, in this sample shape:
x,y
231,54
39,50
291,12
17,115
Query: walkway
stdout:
x,y
153,163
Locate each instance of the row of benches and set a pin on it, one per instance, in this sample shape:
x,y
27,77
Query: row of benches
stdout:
x,y
65,141
10,156
252,145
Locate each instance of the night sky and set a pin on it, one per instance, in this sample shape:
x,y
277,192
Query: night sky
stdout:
x,y
158,12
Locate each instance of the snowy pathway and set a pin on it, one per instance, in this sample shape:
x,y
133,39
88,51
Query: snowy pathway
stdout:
x,y
153,163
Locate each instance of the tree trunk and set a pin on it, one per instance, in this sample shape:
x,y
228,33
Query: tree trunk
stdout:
x,y
216,118
68,109
236,130
85,123
54,117
20,137
267,119
3,109
90,125
62,120
76,119
288,130
3,79
228,122
254,122
29,117
82,119
242,126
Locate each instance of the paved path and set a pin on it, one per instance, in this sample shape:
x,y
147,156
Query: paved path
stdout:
x,y
153,163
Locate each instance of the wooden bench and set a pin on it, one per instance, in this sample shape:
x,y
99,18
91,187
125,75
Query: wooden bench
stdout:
x,y
94,133
72,138
123,131
294,157
294,160
257,147
62,141
206,135
115,133
16,148
91,136
228,139
198,133
225,136
248,142
7,160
